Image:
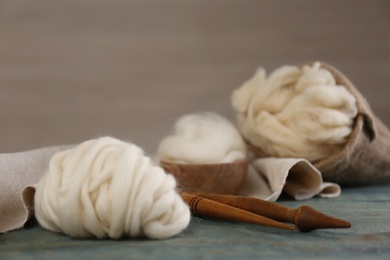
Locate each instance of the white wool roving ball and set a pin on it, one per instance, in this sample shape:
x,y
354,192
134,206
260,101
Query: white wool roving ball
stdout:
x,y
295,112
107,188
203,138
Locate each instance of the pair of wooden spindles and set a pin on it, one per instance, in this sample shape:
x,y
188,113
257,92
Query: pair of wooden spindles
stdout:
x,y
256,211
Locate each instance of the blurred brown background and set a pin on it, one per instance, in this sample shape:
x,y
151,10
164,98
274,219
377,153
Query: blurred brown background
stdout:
x,y
72,70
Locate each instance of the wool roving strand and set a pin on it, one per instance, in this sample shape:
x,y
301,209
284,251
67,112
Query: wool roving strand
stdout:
x,y
298,112
107,188
203,138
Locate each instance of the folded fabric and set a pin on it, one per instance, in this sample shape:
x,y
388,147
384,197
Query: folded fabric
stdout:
x,y
17,172
268,177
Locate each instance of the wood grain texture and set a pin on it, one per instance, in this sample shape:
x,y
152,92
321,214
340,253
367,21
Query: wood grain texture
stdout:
x,y
223,178
204,207
305,217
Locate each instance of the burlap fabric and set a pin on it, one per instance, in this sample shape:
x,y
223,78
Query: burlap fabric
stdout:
x,y
365,157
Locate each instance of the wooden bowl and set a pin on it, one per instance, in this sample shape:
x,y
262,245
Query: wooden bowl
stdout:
x,y
223,178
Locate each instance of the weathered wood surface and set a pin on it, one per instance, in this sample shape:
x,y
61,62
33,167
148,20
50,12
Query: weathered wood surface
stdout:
x,y
368,210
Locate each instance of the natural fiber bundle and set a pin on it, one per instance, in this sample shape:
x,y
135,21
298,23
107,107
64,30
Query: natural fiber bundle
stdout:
x,y
295,112
107,188
331,125
203,138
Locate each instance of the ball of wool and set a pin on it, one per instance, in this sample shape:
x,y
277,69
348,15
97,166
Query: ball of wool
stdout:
x,y
107,188
203,138
295,112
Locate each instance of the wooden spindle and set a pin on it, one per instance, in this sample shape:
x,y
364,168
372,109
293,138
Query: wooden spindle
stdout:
x,y
305,218
204,207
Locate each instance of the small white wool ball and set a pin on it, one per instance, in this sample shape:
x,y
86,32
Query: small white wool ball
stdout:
x,y
203,138
295,112
107,188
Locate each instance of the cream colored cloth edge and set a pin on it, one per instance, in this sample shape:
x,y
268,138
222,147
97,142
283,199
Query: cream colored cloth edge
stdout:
x,y
19,172
269,177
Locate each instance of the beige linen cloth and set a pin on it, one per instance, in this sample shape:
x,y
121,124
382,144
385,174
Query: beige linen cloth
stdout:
x,y
269,177
19,172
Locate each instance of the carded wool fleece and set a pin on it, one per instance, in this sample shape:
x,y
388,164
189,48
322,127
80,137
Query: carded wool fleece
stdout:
x,y
203,138
295,112
107,188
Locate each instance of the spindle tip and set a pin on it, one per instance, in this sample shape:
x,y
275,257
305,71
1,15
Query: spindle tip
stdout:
x,y
308,219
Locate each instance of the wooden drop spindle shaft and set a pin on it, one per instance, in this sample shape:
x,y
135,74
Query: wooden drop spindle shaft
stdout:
x,y
204,207
305,218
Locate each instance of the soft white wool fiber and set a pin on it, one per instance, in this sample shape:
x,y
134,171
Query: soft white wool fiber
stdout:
x,y
107,188
203,138
295,112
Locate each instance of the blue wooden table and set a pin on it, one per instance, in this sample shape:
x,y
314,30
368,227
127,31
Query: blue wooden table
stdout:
x,y
367,208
